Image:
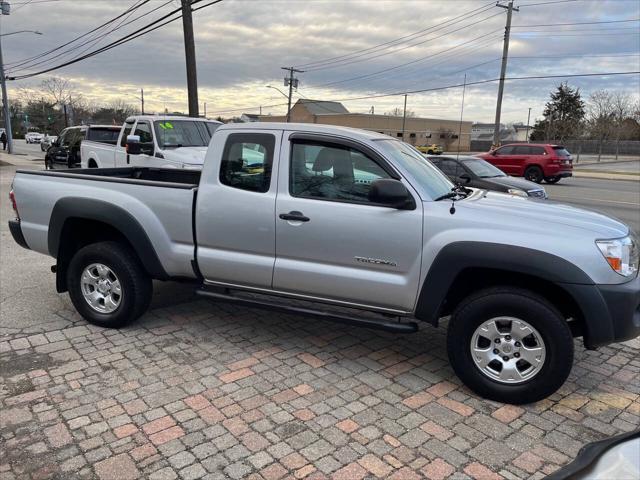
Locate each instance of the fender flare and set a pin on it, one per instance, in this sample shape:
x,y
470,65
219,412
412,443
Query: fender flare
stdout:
x,y
458,256
112,215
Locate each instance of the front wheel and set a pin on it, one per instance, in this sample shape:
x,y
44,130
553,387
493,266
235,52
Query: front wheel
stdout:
x,y
108,285
555,179
510,345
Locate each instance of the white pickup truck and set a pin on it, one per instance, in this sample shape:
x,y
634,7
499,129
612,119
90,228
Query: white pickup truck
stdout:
x,y
164,142
352,219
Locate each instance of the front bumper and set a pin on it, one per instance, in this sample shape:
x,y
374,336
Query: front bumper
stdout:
x,y
16,233
611,312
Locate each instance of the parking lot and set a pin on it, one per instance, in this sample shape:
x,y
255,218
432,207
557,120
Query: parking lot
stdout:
x,y
197,389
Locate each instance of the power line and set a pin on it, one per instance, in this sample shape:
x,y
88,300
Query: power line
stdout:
x,y
547,3
18,63
399,39
575,23
404,64
132,36
350,62
445,87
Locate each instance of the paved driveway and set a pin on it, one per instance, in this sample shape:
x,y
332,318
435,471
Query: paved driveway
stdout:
x,y
204,390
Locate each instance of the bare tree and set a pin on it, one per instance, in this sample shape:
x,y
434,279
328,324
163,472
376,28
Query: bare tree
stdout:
x,y
447,136
399,112
622,110
601,117
59,89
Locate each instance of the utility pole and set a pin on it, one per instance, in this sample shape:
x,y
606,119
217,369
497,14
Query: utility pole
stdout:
x,y
205,109
503,70
464,88
142,101
528,118
404,116
190,55
291,82
66,117
5,10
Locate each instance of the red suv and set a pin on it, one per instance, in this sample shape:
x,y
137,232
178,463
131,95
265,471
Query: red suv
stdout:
x,y
533,161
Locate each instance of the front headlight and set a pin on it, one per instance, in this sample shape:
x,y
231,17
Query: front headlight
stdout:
x,y
518,192
621,253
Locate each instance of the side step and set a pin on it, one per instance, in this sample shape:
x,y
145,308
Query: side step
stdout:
x,y
396,327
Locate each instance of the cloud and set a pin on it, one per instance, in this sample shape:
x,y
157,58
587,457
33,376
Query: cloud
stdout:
x,y
242,44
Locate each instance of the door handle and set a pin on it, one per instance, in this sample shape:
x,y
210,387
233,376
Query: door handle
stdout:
x,y
294,216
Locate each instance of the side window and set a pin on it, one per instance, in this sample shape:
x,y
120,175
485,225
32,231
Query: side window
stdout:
x,y
332,172
247,160
537,150
126,129
449,168
62,139
521,150
143,129
508,150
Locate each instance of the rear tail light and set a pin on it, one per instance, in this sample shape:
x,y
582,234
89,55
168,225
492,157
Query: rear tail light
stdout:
x,y
14,205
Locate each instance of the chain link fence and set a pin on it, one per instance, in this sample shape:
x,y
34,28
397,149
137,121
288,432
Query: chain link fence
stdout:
x,y
579,148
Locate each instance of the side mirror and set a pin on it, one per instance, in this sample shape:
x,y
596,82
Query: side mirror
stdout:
x,y
465,178
133,144
391,192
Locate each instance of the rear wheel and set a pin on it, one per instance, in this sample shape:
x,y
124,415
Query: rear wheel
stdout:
x,y
555,179
534,174
429,152
510,345
108,285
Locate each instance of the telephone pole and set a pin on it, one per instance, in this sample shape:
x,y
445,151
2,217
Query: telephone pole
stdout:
x,y
190,55
503,70
404,115
528,120
142,101
291,82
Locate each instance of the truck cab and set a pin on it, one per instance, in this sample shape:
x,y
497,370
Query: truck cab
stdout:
x,y
163,141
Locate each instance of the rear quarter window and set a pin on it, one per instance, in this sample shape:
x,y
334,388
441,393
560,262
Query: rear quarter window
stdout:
x,y
561,152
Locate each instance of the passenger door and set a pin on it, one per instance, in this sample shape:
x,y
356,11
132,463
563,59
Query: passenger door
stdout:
x,y
147,147
332,243
235,211
122,158
56,154
505,159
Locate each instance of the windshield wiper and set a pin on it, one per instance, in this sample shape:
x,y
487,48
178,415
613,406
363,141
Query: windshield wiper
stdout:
x,y
173,145
456,191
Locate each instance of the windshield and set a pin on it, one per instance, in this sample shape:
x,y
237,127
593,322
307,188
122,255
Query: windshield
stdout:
x,y
483,169
181,133
432,180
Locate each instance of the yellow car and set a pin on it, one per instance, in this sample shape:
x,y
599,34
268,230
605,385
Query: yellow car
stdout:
x,y
432,149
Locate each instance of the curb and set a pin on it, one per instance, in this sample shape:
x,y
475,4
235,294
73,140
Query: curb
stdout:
x,y
629,177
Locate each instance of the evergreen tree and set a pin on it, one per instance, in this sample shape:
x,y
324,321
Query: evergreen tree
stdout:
x,y
563,115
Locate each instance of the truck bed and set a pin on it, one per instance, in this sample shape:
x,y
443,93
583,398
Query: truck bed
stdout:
x,y
159,201
164,177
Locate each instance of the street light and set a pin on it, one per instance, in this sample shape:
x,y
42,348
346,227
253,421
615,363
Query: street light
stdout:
x,y
278,90
5,99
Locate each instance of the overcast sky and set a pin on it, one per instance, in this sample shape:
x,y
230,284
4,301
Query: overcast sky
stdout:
x,y
241,45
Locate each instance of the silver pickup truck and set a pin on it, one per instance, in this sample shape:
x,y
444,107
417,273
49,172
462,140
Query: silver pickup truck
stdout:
x,y
333,222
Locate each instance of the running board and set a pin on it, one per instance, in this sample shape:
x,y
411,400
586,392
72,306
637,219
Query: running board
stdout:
x,y
396,327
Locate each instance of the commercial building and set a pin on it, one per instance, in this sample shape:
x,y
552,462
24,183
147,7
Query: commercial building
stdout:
x,y
417,131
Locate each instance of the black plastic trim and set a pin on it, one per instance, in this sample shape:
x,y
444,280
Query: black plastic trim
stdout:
x,y
589,454
116,217
16,233
104,175
457,256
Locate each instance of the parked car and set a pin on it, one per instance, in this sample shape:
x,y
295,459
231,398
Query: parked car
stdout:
x,y
47,141
432,149
165,142
65,151
478,173
533,161
350,218
33,137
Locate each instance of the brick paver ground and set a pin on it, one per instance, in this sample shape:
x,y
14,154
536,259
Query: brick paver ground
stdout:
x,y
202,390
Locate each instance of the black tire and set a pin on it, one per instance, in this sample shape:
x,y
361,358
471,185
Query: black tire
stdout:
x,y
136,285
555,179
534,174
521,304
429,152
